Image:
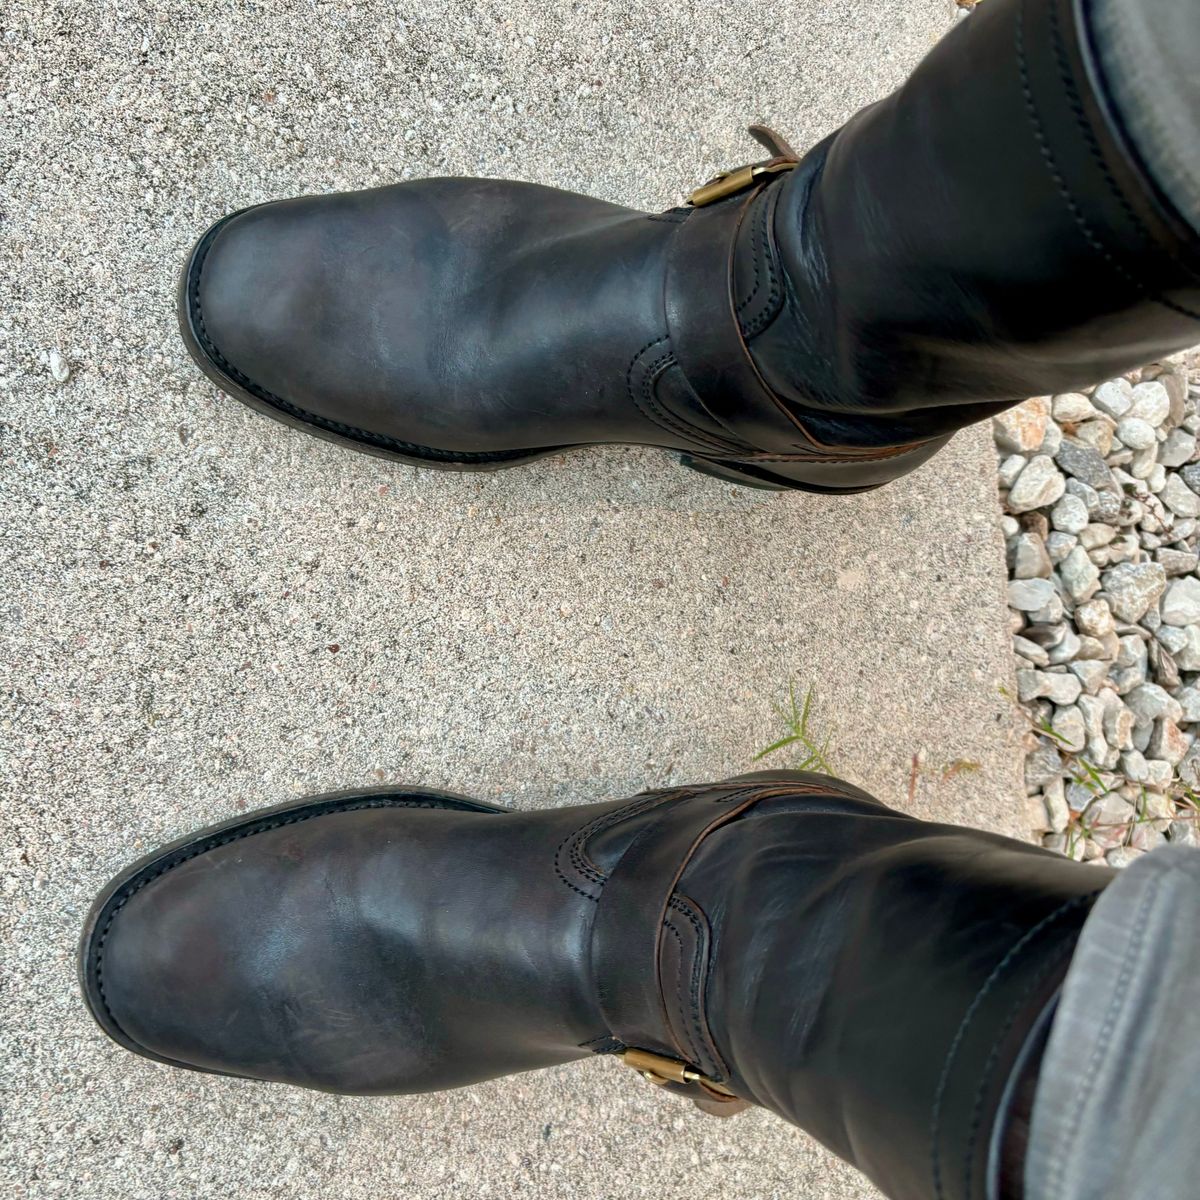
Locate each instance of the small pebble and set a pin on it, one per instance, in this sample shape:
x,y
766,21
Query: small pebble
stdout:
x,y
1136,433
1037,486
1150,404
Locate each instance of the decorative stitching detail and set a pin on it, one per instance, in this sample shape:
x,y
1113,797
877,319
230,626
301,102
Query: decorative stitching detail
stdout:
x,y
715,1067
383,441
692,1054
579,859
1089,135
761,241
657,413
577,839
212,842
571,851
989,1066
1013,953
755,258
1081,221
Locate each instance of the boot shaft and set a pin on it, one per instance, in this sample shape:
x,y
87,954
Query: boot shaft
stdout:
x,y
876,979
984,234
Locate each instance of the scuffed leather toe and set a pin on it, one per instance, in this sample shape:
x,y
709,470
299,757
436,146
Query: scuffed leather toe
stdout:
x,y
269,309
253,949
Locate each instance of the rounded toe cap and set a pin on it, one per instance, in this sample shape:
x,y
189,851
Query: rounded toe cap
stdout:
x,y
151,966
242,302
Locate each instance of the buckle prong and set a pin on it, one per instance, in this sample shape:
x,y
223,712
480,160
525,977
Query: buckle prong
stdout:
x,y
663,1071
729,183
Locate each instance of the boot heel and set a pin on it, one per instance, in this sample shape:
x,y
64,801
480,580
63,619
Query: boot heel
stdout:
x,y
744,476
753,477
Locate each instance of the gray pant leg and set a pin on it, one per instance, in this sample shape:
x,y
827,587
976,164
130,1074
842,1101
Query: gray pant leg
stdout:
x,y
1114,1116
1149,52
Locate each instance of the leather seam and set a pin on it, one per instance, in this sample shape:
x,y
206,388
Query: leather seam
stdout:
x,y
693,1053
1013,953
605,1043
755,256
1081,222
1085,127
669,420
774,297
715,1067
579,838
989,1067
577,853
652,410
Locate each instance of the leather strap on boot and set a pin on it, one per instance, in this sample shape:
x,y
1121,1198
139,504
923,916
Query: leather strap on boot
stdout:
x,y
706,335
651,943
644,931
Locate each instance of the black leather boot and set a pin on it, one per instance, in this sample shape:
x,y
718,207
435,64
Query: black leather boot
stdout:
x,y
779,939
986,233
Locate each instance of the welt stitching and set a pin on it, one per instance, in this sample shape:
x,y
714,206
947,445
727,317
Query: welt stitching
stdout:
x,y
1073,207
207,844
857,458
703,1039
989,1066
351,431
1133,951
1013,953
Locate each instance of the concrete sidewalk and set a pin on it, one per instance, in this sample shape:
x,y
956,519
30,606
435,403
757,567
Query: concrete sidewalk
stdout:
x,y
204,612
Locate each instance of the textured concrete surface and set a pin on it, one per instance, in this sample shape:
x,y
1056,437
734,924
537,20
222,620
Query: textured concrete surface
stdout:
x,y
204,612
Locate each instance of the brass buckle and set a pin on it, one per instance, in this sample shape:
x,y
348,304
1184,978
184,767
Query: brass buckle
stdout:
x,y
729,183
661,1071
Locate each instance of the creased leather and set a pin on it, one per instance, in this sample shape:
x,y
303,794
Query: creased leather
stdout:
x,y
983,234
867,976
874,977
980,236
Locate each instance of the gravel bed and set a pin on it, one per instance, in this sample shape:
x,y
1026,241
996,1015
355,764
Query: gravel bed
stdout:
x,y
1101,494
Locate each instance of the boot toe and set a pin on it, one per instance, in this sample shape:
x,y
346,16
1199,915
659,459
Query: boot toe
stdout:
x,y
154,972
314,311
212,959
249,306
286,945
